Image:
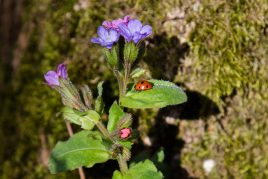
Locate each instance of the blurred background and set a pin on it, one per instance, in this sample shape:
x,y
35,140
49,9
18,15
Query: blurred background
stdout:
x,y
216,50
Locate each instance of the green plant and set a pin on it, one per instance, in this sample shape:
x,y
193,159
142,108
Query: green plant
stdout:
x,y
97,142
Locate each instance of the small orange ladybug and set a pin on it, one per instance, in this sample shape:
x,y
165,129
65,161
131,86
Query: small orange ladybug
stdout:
x,y
143,85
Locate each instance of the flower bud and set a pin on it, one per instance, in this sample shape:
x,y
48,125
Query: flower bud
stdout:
x,y
99,104
62,71
87,95
125,133
112,56
59,81
131,52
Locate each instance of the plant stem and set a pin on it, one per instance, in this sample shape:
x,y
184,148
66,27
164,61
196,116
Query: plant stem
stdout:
x,y
81,173
71,133
104,131
127,66
120,82
122,164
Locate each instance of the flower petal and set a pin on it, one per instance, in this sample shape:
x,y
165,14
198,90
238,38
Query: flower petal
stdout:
x,y
52,78
102,32
114,35
62,71
109,46
137,37
107,24
147,30
126,18
134,26
117,22
95,40
124,31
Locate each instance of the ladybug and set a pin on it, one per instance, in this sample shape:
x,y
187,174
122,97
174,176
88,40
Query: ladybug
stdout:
x,y
143,85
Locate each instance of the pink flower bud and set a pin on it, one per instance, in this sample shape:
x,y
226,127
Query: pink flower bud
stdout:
x,y
125,133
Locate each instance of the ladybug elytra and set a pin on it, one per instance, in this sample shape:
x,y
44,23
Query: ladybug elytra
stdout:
x,y
143,85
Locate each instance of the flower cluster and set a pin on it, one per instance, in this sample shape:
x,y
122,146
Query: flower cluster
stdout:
x,y
60,82
131,30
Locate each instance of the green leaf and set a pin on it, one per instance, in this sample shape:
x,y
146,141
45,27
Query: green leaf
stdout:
x,y
159,156
72,115
117,175
141,170
87,119
85,148
126,144
115,113
162,94
99,105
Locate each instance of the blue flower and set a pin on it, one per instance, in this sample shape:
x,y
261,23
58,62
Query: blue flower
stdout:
x,y
134,31
107,37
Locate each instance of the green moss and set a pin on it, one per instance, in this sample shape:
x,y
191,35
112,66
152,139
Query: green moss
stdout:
x,y
227,63
224,44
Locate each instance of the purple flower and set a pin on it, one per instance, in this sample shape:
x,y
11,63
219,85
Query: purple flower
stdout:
x,y
134,30
114,24
106,37
52,77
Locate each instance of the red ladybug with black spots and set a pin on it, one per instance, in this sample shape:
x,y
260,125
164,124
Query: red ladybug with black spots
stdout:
x,y
143,85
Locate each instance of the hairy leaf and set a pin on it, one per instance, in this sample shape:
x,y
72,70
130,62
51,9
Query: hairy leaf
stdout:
x,y
85,148
115,113
87,119
162,94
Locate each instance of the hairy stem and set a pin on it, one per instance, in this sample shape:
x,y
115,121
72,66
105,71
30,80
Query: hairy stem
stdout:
x,y
120,82
104,131
122,164
71,133
127,66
